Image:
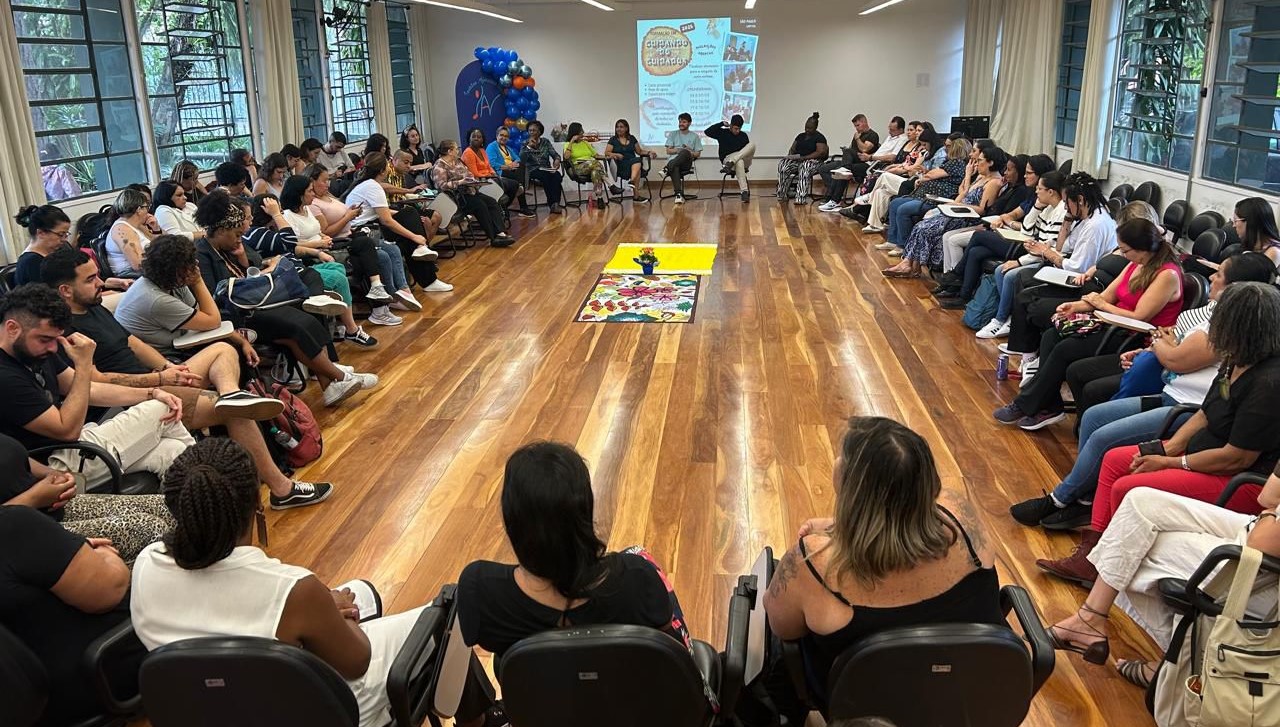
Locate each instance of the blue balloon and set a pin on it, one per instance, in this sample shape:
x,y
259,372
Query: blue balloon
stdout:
x,y
478,52
512,110
532,93
522,104
531,114
512,56
534,105
483,54
486,67
493,51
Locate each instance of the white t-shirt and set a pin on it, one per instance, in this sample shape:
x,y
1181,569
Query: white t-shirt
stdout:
x,y
304,224
175,221
1191,388
371,197
333,162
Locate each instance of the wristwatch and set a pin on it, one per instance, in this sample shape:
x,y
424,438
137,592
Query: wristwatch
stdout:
x,y
1185,465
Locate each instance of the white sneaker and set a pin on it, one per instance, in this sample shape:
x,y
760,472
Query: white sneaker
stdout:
x,y
324,305
885,246
338,391
367,381
422,252
438,286
384,317
679,199
995,328
869,227
405,297
862,199
828,207
377,293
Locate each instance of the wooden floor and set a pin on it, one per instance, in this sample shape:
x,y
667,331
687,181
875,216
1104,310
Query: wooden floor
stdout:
x,y
707,441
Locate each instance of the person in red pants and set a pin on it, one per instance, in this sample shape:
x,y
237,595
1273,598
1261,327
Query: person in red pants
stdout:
x,y
1233,432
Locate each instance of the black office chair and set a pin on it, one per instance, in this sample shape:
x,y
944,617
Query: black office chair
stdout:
x,y
692,171
1114,204
120,482
1176,217
254,682
1209,244
24,683
623,676
1065,169
1122,192
1203,221
8,273
1148,192
1195,291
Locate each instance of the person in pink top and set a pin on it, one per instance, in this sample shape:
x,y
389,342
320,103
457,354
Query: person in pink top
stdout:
x,y
1149,289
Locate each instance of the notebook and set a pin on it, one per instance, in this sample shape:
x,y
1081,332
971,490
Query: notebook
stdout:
x,y
956,212
1132,324
191,339
366,598
1014,235
1057,276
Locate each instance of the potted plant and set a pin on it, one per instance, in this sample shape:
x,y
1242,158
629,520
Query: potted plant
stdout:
x,y
647,260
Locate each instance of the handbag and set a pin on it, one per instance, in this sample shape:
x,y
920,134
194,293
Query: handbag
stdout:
x,y
280,287
1075,325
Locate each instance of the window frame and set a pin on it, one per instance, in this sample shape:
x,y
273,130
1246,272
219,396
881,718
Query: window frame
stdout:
x,y
340,119
396,27
1075,35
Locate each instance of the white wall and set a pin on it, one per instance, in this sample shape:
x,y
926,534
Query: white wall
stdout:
x,y
814,55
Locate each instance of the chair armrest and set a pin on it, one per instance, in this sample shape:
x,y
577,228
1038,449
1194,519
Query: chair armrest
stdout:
x,y
115,643
1181,410
88,450
1042,654
736,643
1240,480
409,679
1203,602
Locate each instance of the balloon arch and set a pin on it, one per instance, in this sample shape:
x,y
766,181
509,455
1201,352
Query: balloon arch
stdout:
x,y
519,89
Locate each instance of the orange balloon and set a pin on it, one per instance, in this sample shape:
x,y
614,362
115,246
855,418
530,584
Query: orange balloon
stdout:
x,y
530,82
518,82
509,123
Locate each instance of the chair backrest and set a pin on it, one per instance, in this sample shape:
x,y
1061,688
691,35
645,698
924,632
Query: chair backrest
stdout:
x,y
1122,191
8,273
623,676
1176,217
1208,244
24,684
1195,290
1114,204
245,681
1202,222
937,675
1148,192
1065,169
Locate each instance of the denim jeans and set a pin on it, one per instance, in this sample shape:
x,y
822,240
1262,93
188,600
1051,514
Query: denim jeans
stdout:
x,y
901,213
1006,284
391,266
1103,427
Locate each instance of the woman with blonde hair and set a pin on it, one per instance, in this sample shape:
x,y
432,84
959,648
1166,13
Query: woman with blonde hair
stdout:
x,y
900,551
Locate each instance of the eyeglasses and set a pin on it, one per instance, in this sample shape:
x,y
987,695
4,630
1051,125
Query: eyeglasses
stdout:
x,y
1235,220
64,235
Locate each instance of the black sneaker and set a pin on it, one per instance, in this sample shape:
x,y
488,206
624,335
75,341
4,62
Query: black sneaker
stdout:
x,y
527,214
303,494
243,405
1031,512
746,195
360,338
1075,515
502,242
727,168
615,190
949,303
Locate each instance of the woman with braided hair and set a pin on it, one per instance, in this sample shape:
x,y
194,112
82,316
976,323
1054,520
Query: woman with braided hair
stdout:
x,y
208,579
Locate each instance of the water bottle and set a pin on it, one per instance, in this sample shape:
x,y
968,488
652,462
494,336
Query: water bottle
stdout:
x,y
283,438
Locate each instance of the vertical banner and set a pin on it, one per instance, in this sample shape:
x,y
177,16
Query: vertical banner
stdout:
x,y
479,100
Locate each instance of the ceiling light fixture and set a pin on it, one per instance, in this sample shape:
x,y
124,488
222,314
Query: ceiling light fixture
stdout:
x,y
473,7
600,5
880,6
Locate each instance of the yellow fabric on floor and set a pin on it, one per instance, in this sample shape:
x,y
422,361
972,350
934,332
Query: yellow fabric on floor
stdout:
x,y
692,258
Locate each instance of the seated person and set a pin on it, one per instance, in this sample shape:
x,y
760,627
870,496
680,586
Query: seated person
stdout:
x,y
865,142
503,158
395,185
543,162
423,155
797,168
233,178
173,212
901,551
580,157
1149,289
187,174
736,151
888,153
244,158
126,360
476,157
1232,433
59,592
683,149
47,401
369,196
296,158
564,576
882,185
1156,535
129,522
387,264
208,579
130,233
49,229
271,236
625,150
1254,223
271,175
1013,195
333,156
452,177
942,174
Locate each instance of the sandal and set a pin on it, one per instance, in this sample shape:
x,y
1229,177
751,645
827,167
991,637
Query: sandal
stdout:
x,y
1135,672
1095,653
891,273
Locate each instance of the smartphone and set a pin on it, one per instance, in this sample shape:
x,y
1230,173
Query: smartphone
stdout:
x,y
1155,446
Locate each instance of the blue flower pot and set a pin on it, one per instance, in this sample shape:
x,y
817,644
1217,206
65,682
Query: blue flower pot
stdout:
x,y
646,269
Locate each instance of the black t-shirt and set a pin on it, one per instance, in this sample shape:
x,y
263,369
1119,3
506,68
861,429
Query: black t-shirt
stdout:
x,y
25,398
15,470
805,144
730,143
494,613
28,269
113,354
34,553
1246,419
870,135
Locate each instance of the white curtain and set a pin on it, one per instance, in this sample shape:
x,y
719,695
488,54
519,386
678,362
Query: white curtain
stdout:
x,y
1028,78
384,98
421,67
281,116
1093,130
978,73
20,183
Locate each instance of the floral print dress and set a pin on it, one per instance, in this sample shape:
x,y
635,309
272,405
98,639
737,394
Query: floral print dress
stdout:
x,y
924,244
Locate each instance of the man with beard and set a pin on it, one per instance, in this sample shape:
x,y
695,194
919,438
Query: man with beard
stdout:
x,y
47,402
123,359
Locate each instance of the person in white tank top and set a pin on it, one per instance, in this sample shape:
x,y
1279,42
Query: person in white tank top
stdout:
x,y
199,583
129,234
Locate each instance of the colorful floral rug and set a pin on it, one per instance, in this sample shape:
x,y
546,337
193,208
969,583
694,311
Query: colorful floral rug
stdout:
x,y
693,258
626,298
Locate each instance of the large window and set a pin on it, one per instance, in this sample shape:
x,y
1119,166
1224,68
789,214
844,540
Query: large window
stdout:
x,y
306,45
1162,57
1244,111
401,66
350,84
79,84
1075,33
195,75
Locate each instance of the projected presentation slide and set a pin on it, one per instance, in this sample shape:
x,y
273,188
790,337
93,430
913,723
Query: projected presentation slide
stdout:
x,y
702,66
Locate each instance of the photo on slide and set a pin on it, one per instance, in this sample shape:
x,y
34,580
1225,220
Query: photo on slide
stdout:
x,y
740,77
744,106
740,48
